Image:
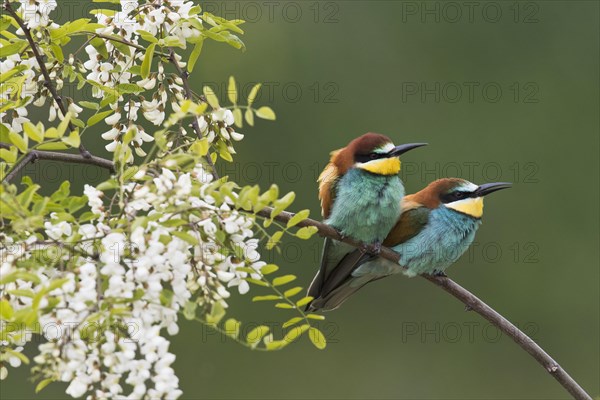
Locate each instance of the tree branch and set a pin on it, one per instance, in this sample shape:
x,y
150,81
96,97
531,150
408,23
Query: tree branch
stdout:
x,y
190,96
469,299
56,156
44,70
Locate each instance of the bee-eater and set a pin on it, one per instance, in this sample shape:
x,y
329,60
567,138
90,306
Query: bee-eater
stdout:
x,y
360,192
436,227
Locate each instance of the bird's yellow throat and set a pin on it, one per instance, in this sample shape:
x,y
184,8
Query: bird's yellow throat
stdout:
x,y
384,166
471,206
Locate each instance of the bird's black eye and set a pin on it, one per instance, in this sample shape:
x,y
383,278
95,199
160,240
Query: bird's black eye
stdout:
x,y
373,156
460,195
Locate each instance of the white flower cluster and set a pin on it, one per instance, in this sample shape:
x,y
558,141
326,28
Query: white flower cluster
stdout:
x,y
36,13
168,16
119,290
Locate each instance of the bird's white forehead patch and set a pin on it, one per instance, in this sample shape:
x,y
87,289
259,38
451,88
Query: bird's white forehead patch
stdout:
x,y
386,148
467,187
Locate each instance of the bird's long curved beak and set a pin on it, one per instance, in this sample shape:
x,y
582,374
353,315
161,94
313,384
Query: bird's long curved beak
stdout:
x,y
403,148
488,188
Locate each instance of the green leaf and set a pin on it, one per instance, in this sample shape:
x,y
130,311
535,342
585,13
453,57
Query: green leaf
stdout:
x,y
256,334
249,115
200,147
6,310
283,203
299,217
186,237
292,321
100,47
64,124
256,282
147,36
282,280
307,232
232,328
18,355
13,48
253,93
189,310
267,297
275,344
40,386
147,63
26,196
315,316
94,119
211,97
12,72
73,139
292,292
237,117
232,90
275,238
216,314
266,113
194,55
128,88
53,146
9,156
90,105
295,333
269,269
304,301
18,141
317,338
284,305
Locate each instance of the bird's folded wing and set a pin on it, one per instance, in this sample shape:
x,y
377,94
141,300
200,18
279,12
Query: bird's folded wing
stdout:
x,y
413,219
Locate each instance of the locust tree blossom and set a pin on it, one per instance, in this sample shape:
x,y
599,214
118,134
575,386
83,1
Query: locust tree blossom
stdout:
x,y
105,276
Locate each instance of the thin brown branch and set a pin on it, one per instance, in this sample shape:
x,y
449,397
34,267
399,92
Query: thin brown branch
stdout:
x,y
190,96
47,79
469,299
34,155
122,41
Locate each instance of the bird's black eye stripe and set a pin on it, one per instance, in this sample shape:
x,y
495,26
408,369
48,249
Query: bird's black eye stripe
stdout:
x,y
455,196
362,158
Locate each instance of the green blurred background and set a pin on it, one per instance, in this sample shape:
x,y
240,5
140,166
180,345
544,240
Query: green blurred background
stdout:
x,y
501,91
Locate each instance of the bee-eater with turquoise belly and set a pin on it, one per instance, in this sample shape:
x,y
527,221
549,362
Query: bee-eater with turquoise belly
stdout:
x,y
360,192
436,227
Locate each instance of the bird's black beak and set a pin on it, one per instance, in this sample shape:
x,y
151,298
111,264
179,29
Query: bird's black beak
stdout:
x,y
403,148
488,188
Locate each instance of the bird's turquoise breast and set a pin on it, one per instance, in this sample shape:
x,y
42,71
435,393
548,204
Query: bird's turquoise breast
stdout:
x,y
447,235
366,205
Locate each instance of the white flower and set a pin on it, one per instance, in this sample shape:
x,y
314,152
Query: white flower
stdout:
x,y
236,136
57,231
113,119
77,388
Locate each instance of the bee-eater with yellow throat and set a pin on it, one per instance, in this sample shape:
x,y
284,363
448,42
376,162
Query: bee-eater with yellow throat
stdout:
x,y
360,192
436,227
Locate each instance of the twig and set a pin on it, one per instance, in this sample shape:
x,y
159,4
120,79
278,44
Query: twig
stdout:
x,y
56,156
44,70
469,299
190,96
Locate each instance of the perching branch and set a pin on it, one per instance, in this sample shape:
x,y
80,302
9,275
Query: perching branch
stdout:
x,y
56,156
190,96
469,299
47,79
